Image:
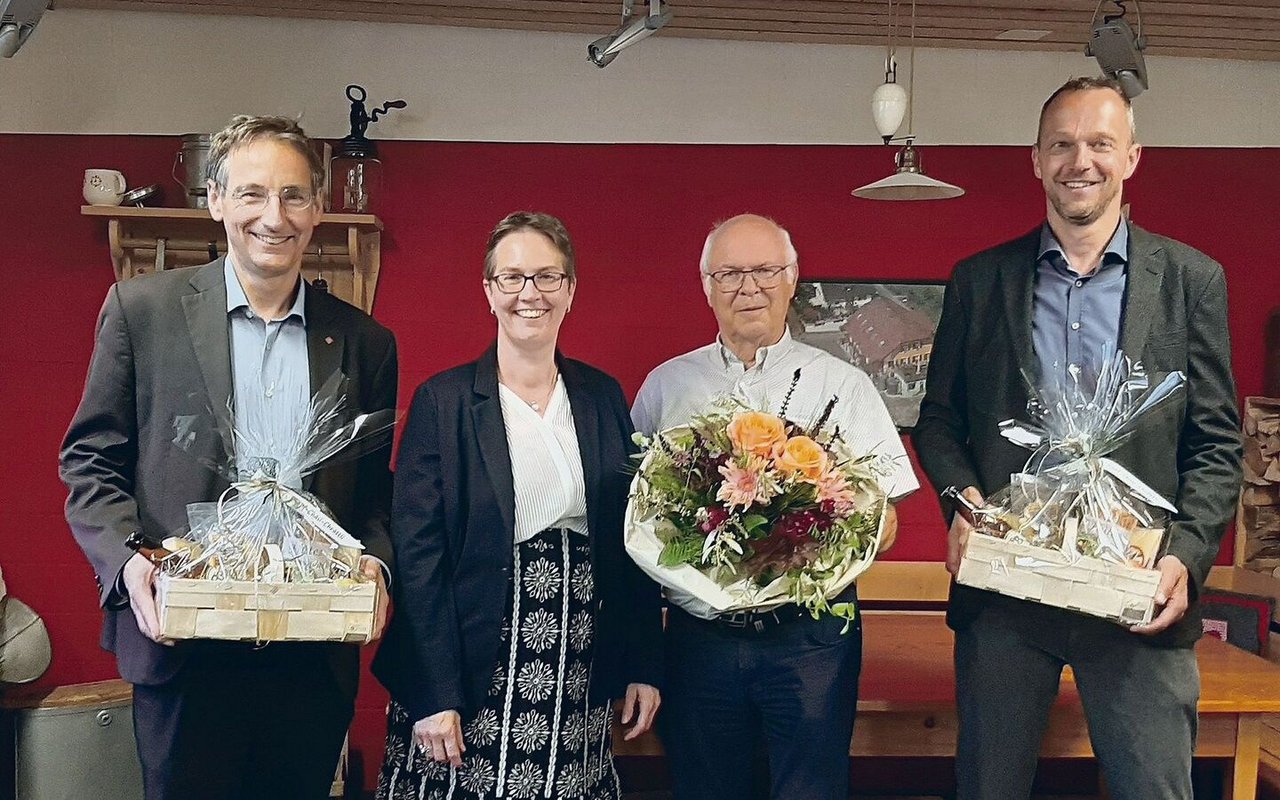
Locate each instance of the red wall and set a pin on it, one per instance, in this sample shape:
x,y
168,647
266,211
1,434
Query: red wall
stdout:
x,y
638,214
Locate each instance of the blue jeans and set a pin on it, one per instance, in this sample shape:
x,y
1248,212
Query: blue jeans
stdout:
x,y
793,686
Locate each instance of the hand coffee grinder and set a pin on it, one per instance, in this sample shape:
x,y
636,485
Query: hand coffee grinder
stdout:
x,y
356,171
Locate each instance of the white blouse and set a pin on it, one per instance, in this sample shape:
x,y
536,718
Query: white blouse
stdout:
x,y
546,465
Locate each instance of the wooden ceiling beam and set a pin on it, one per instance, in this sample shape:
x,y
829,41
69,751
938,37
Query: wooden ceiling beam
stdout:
x,y
1190,29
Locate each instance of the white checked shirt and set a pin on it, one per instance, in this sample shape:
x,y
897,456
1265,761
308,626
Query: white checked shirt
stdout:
x,y
686,385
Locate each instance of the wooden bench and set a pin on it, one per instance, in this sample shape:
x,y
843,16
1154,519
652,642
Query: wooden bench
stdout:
x,y
1270,758
907,701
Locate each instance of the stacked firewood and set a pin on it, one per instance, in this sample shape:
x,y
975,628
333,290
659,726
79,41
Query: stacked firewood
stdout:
x,y
1260,501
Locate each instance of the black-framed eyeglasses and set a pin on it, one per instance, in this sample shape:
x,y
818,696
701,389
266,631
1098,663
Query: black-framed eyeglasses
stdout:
x,y
513,282
765,277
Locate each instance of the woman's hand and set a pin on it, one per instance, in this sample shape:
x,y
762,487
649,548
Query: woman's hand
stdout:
x,y
640,704
440,737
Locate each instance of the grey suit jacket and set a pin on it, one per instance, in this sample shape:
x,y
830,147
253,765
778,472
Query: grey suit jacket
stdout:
x,y
1174,318
163,351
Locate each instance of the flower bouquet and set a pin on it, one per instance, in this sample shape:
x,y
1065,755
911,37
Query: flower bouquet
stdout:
x,y
1076,529
745,509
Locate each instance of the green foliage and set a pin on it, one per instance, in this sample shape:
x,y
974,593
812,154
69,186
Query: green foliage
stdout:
x,y
680,483
847,612
682,549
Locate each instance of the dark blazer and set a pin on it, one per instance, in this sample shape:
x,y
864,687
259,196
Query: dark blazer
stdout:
x,y
453,528
1174,318
163,351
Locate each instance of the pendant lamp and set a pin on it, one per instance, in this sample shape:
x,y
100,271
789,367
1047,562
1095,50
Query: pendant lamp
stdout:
x,y
889,103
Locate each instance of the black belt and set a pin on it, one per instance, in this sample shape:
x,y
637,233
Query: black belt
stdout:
x,y
760,621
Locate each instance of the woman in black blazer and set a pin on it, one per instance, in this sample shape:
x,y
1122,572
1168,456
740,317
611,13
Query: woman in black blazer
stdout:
x,y
518,615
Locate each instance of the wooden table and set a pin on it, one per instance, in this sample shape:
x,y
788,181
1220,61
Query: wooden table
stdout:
x,y
907,706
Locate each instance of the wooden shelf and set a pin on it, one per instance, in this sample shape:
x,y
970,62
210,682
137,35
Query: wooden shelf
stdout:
x,y
345,249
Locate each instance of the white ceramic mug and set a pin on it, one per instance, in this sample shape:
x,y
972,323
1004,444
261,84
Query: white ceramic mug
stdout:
x,y
103,187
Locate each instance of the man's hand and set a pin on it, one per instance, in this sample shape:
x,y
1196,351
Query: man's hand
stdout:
x,y
958,534
440,737
371,568
140,583
1171,594
890,534
640,704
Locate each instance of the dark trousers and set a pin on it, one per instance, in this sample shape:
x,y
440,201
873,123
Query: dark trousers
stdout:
x,y
239,723
795,686
1139,702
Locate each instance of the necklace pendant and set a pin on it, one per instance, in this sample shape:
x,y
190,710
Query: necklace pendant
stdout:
x,y
535,407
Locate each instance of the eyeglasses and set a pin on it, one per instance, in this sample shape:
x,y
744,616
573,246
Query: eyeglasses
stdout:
x,y
513,282
292,198
766,277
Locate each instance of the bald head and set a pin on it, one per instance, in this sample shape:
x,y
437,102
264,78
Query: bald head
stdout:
x,y
754,268
748,223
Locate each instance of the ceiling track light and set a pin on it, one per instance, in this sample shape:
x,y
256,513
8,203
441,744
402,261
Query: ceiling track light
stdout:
x,y
889,104
602,51
1118,48
18,19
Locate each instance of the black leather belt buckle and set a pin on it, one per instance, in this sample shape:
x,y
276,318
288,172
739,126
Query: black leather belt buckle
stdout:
x,y
758,621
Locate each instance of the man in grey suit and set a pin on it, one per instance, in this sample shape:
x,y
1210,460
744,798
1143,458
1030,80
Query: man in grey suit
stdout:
x,y
225,719
1037,306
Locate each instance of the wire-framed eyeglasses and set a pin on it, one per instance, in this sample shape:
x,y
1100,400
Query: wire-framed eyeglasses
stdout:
x,y
292,198
764,277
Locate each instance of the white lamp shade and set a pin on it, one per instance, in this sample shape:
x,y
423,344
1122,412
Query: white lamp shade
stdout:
x,y
908,186
888,107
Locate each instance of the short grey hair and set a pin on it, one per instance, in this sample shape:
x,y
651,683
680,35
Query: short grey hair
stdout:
x,y
245,129
704,261
1086,84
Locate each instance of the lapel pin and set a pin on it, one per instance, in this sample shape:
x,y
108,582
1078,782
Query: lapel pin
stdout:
x,y
328,340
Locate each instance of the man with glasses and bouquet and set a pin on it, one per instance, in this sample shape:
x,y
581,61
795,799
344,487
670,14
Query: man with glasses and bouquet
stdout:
x,y
781,676
245,333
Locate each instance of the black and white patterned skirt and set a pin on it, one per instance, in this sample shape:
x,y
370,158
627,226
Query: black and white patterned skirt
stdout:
x,y
539,735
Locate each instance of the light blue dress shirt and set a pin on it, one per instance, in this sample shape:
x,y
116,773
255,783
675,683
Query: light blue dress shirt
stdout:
x,y
1075,316
271,379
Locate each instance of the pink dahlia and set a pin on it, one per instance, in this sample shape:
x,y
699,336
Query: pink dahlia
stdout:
x,y
746,484
835,495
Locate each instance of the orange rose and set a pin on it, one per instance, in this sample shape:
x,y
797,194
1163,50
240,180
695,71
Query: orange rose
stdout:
x,y
756,433
803,455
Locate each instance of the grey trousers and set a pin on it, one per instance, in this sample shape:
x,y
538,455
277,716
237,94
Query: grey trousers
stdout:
x,y
1139,702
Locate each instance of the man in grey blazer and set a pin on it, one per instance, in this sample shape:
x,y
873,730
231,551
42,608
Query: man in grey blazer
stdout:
x,y
226,719
1036,306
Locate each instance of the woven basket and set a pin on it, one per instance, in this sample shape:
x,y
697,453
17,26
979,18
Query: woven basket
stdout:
x,y
1089,585
260,611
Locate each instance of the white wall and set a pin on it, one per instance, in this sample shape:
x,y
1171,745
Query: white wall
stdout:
x,y
122,72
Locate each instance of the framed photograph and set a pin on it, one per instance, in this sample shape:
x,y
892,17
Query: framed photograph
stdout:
x,y
884,329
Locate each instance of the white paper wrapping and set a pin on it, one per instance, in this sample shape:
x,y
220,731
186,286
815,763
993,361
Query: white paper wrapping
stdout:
x,y
644,546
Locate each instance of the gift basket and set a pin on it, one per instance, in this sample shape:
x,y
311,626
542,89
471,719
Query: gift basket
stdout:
x,y
745,509
1075,529
266,561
